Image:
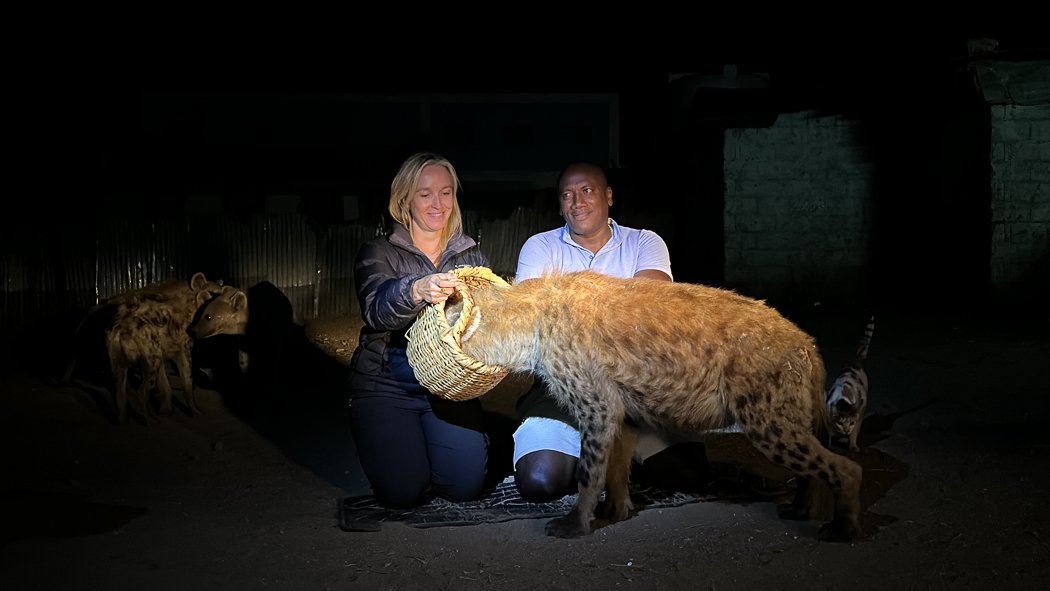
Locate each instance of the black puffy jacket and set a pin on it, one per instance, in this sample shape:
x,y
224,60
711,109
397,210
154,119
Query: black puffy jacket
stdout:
x,y
384,271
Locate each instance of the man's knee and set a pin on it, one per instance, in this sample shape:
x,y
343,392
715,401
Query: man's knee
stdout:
x,y
545,475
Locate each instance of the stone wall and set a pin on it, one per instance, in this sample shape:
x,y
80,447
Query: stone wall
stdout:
x,y
797,209
1020,265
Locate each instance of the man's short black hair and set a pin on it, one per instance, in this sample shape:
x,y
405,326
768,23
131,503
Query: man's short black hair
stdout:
x,y
591,163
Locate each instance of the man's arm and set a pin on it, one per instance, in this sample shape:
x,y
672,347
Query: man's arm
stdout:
x,y
533,259
654,260
653,274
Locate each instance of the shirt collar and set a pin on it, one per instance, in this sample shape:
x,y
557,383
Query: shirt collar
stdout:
x,y
614,240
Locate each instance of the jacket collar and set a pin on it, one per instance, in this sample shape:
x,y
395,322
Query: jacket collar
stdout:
x,y
401,237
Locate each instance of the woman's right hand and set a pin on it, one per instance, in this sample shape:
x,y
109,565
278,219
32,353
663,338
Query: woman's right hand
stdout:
x,y
434,288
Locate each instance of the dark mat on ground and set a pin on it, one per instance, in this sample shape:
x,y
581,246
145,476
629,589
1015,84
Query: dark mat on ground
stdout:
x,y
739,474
502,504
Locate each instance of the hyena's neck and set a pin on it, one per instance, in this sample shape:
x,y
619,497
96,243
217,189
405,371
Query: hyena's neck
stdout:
x,y
506,332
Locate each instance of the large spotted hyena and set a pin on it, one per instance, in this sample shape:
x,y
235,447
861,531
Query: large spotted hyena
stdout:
x,y
149,329
678,356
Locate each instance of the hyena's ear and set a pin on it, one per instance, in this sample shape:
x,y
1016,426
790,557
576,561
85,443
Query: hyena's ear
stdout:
x,y
472,327
197,281
202,296
239,301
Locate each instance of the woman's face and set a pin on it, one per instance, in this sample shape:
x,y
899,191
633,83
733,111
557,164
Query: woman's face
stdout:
x,y
432,203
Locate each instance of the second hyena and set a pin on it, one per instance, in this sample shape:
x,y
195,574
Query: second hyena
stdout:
x,y
90,333
263,320
678,356
149,329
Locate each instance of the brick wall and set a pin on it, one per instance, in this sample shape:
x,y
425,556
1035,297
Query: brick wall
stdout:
x,y
1020,265
797,210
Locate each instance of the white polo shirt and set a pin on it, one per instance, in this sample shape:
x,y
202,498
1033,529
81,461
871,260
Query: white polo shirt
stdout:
x,y
628,251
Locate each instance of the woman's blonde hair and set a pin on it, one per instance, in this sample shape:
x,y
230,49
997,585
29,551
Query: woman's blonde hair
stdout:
x,y
403,189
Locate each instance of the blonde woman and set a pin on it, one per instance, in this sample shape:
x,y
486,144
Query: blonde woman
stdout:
x,y
411,444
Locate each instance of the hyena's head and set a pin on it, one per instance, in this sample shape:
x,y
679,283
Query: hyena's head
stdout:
x,y
226,313
454,309
199,283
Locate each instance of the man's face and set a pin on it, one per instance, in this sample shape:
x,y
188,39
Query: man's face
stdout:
x,y
585,200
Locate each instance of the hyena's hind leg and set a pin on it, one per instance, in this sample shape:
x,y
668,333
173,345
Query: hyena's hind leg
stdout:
x,y
158,369
796,448
600,415
120,364
120,389
182,360
154,377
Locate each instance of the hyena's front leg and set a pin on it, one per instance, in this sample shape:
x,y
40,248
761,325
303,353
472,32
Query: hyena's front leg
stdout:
x,y
617,481
600,414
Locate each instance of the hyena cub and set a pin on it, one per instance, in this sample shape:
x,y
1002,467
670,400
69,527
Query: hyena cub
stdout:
x,y
150,329
680,357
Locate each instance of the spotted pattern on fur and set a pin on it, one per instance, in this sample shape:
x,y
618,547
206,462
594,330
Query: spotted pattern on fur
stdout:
x,y
678,356
149,329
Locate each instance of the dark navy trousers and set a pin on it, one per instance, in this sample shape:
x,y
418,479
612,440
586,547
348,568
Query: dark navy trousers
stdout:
x,y
412,444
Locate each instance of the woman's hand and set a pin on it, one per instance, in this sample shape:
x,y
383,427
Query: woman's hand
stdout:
x,y
434,288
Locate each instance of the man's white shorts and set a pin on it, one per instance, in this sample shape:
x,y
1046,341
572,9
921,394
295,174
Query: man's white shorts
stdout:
x,y
536,433
539,433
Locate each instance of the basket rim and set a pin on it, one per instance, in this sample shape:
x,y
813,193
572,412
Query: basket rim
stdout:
x,y
472,378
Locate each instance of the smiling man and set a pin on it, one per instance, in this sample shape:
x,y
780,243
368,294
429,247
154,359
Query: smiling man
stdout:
x,y
547,441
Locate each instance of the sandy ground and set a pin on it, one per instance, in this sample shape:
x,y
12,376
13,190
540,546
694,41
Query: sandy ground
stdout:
x,y
956,461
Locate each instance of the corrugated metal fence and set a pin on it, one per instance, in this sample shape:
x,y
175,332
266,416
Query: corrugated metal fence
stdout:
x,y
50,272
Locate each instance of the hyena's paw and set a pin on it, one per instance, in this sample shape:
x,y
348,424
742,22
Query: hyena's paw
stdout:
x,y
840,530
567,527
614,512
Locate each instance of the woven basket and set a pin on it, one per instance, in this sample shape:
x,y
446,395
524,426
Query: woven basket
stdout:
x,y
434,346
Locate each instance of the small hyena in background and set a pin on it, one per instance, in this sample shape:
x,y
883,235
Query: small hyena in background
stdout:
x,y
268,339
226,314
90,333
149,329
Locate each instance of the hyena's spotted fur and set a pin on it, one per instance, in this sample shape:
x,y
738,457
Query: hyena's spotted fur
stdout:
x,y
149,329
99,320
167,289
679,356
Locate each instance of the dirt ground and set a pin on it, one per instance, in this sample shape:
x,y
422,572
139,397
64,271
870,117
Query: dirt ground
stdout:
x,y
956,489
